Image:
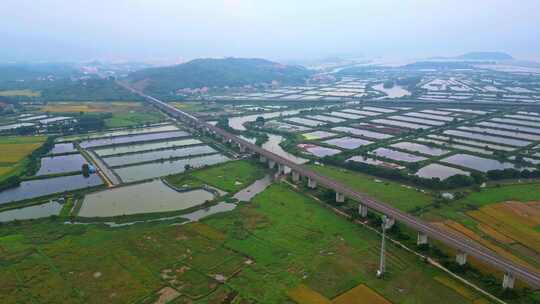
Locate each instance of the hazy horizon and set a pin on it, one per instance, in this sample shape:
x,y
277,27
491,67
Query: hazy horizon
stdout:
x,y
60,30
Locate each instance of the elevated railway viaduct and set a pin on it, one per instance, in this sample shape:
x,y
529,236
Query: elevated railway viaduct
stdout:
x,y
463,245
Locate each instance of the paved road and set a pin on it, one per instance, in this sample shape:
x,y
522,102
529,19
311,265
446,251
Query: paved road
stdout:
x,y
111,178
453,240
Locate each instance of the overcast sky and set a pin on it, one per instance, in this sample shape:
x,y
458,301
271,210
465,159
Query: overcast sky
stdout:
x,y
66,30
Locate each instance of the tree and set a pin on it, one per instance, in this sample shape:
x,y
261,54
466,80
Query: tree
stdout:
x,y
85,170
260,121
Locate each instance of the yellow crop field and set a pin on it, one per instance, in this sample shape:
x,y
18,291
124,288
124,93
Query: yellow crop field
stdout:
x,y
508,224
15,148
527,213
456,227
359,295
302,294
457,287
494,234
27,93
89,107
5,170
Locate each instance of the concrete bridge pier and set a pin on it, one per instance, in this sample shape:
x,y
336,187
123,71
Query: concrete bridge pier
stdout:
x,y
262,159
422,239
286,170
362,210
242,149
389,223
340,197
311,183
295,177
461,258
271,164
281,169
508,281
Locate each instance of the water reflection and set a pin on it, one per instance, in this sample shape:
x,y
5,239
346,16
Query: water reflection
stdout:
x,y
31,212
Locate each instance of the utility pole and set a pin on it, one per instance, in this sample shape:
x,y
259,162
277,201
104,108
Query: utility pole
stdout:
x,y
380,272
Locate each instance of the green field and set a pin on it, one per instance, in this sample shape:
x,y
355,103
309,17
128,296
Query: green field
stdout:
x,y
231,176
133,118
261,249
496,194
485,196
389,192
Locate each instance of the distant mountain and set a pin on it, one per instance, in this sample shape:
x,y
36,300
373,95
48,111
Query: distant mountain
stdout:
x,y
32,71
485,56
231,72
478,56
439,65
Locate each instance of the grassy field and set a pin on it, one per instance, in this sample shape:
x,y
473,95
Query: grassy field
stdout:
x,y
295,241
13,93
392,193
133,118
231,176
503,218
255,253
124,114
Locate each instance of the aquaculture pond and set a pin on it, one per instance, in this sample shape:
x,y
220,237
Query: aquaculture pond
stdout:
x,y
306,122
61,164
488,138
148,197
525,117
326,118
346,115
418,120
15,126
477,163
132,139
123,132
31,212
168,167
377,109
143,147
348,142
318,150
502,133
46,186
361,132
396,123
509,127
398,155
518,122
431,116
128,159
414,147
472,142
375,162
361,112
63,148
439,171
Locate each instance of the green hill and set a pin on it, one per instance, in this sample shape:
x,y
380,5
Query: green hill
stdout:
x,y
212,73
